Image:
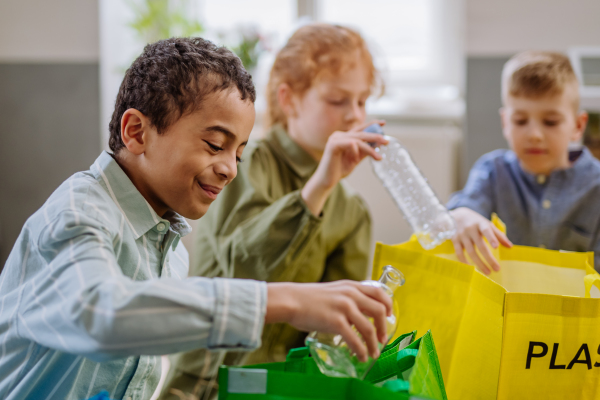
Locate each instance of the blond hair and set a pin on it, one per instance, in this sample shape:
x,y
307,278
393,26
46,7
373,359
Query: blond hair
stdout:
x,y
535,74
312,50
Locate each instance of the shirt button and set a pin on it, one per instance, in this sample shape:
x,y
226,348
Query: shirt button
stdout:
x,y
161,227
541,179
546,204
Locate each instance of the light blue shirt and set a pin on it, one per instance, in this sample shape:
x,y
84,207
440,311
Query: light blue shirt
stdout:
x,y
93,293
560,211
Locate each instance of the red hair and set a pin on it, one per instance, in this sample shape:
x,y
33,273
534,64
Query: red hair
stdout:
x,y
312,50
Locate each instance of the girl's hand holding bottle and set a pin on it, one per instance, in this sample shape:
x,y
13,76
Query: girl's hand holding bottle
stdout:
x,y
343,152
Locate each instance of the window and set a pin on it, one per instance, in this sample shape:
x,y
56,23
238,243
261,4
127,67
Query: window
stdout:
x,y
417,44
273,18
418,47
223,22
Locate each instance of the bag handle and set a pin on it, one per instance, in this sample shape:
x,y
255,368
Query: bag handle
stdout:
x,y
589,281
297,353
398,385
405,360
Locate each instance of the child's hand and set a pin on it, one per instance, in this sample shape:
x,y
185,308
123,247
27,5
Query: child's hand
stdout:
x,y
343,152
471,228
333,308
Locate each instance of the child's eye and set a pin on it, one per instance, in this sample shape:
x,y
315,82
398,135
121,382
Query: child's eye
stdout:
x,y
336,102
550,123
520,122
213,147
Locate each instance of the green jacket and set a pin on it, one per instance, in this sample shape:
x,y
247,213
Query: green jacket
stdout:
x,y
260,228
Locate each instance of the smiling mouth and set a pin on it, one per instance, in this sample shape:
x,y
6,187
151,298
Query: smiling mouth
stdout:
x,y
536,151
211,191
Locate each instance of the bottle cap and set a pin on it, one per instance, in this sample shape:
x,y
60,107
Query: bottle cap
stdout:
x,y
374,128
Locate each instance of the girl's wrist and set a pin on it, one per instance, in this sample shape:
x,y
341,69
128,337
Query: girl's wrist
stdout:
x,y
315,195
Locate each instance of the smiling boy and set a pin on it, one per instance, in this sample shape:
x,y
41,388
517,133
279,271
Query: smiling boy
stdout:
x,y
546,195
94,289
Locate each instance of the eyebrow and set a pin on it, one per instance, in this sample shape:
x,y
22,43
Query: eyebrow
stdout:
x,y
225,131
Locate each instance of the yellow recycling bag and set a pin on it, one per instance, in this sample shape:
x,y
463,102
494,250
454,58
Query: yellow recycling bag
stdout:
x,y
530,331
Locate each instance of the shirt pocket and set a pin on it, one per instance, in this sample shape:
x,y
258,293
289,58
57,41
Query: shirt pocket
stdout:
x,y
575,238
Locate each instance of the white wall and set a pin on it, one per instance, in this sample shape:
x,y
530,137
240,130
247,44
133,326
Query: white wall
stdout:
x,y
508,26
49,31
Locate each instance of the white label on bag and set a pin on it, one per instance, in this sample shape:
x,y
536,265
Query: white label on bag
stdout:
x,y
242,380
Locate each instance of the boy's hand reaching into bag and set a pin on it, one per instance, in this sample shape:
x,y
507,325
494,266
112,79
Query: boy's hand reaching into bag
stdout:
x,y
333,308
471,228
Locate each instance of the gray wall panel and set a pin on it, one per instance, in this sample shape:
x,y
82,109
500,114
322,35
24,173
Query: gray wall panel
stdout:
x,y
483,132
49,119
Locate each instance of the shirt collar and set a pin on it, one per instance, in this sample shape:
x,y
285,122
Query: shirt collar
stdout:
x,y
138,213
582,163
292,154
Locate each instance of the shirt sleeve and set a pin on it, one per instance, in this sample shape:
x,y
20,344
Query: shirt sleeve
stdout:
x,y
82,303
477,193
252,233
350,260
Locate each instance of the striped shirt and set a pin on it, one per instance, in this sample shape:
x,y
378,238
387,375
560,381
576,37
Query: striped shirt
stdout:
x,y
93,293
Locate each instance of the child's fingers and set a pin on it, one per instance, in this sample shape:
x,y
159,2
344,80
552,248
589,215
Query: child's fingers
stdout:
x,y
362,127
353,341
504,241
488,233
486,252
366,330
459,250
470,249
378,295
376,310
374,138
366,150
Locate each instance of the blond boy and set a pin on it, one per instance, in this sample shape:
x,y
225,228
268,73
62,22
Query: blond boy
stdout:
x,y
547,195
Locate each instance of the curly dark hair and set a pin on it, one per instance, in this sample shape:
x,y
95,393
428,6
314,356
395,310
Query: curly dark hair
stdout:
x,y
171,78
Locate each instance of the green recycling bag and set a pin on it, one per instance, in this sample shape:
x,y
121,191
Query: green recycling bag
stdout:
x,y
404,369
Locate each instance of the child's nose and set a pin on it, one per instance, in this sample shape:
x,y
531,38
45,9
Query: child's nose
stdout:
x,y
536,132
227,169
355,113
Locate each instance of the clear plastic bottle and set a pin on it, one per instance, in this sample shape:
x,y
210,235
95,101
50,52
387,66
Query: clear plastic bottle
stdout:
x,y
332,354
429,219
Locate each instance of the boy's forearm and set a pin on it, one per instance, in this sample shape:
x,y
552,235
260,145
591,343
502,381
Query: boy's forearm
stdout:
x,y
120,317
281,303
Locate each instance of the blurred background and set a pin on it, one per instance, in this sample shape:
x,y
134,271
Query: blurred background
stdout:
x,y
61,63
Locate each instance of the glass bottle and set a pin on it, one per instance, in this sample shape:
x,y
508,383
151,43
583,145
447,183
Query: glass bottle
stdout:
x,y
330,351
430,220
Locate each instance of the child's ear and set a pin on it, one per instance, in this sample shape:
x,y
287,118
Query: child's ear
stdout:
x,y
134,131
285,97
581,121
